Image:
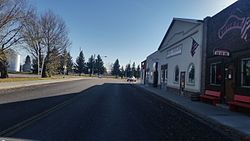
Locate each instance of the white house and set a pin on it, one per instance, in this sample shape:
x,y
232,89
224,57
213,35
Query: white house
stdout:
x,y
178,58
14,60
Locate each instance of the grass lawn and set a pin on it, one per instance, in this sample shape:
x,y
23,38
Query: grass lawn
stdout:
x,y
16,79
20,79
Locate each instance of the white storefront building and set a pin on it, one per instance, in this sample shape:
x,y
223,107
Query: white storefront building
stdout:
x,y
177,64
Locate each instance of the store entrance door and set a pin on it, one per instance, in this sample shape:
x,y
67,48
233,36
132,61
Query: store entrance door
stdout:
x,y
229,82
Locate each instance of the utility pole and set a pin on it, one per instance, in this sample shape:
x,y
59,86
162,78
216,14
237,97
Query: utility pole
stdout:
x,y
93,63
38,58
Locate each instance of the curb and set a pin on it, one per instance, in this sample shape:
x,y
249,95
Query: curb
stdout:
x,y
224,129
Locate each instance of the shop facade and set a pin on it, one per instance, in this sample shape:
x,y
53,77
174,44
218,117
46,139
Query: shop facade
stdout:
x,y
181,56
177,64
228,51
152,69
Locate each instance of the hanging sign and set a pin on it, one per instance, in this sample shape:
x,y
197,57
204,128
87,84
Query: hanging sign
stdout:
x,y
221,52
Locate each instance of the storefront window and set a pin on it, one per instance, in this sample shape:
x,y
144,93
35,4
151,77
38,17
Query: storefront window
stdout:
x,y
215,74
245,72
176,74
191,74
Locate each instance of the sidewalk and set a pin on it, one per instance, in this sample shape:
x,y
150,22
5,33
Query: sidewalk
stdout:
x,y
237,122
18,84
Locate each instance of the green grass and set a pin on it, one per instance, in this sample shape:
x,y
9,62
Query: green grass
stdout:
x,y
17,79
20,79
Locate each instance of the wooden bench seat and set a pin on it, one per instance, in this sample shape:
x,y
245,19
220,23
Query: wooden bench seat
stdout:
x,y
211,96
239,101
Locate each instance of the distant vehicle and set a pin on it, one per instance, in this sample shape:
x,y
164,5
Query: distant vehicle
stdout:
x,y
131,79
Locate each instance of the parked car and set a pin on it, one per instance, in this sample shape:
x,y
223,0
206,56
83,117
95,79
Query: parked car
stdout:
x,y
131,79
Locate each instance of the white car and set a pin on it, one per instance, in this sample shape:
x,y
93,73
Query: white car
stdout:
x,y
131,79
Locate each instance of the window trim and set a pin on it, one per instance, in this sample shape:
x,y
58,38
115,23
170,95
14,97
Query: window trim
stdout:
x,y
241,73
176,82
190,83
210,72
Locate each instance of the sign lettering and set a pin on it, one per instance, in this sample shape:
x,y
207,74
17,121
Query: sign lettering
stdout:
x,y
221,52
235,22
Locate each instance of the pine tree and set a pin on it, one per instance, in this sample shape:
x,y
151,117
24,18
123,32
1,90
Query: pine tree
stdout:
x,y
63,61
133,69
128,71
122,74
80,64
27,60
70,63
138,71
99,68
27,65
116,68
91,65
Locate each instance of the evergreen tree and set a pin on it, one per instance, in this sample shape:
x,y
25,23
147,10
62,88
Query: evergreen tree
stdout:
x,y
91,64
53,63
128,71
122,74
99,68
63,62
70,63
27,64
133,69
27,60
34,66
138,71
116,68
80,64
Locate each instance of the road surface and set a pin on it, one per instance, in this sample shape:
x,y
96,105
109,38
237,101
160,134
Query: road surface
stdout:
x,y
97,110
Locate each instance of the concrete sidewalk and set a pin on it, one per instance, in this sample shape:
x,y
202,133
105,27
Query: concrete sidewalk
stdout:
x,y
19,84
236,122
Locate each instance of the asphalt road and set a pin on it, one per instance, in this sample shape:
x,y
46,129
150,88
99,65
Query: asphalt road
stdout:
x,y
109,111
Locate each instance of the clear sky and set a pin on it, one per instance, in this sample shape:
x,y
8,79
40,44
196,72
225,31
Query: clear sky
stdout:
x,y
129,30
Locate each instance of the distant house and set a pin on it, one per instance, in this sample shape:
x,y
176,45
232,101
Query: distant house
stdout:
x,y
14,60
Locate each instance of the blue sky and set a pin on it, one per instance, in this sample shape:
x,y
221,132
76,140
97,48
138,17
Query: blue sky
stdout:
x,y
128,30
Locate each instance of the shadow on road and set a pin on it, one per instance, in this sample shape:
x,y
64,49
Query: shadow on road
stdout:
x,y
16,112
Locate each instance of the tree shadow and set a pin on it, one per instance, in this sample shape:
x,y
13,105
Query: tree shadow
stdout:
x,y
16,112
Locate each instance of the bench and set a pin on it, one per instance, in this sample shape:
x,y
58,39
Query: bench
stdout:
x,y
239,101
211,96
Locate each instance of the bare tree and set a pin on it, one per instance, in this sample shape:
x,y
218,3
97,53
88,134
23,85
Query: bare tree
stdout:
x,y
46,37
12,13
54,40
32,35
